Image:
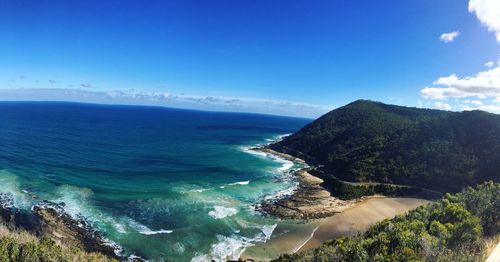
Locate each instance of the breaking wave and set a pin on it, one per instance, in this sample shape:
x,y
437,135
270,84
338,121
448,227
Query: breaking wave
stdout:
x,y
142,229
231,247
220,212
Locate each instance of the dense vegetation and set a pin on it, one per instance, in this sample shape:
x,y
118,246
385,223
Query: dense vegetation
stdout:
x,y
346,191
452,229
20,246
371,141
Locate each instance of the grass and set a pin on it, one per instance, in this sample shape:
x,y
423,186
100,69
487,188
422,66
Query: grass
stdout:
x,y
22,246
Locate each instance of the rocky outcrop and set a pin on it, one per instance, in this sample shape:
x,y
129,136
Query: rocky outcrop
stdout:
x,y
66,230
13,217
49,219
309,201
268,150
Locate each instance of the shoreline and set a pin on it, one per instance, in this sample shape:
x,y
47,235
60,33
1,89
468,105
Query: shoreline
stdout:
x,y
314,232
301,245
360,217
309,200
47,219
322,216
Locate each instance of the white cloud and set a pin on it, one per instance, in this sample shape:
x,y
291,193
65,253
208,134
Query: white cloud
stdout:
x,y
442,105
483,84
489,108
488,12
474,102
213,103
449,37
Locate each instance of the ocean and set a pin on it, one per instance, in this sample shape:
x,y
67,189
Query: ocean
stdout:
x,y
163,184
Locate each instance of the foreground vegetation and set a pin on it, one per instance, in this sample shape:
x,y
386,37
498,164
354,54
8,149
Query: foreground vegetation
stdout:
x,y
373,142
452,229
20,246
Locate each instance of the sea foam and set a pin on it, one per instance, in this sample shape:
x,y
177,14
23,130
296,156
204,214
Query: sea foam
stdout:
x,y
231,247
285,164
17,198
241,183
248,149
220,212
142,229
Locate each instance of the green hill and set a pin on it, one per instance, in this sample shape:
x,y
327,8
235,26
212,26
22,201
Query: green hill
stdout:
x,y
367,141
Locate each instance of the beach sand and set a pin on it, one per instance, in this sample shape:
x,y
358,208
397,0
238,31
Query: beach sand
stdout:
x,y
286,238
351,221
360,217
312,215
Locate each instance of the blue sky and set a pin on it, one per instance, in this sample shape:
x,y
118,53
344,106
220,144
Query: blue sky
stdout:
x,y
298,58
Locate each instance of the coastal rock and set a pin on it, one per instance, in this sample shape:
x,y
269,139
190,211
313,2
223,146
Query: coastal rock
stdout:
x,y
267,149
14,218
309,201
6,201
66,230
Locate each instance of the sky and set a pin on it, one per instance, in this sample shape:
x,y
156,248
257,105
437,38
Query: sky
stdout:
x,y
296,58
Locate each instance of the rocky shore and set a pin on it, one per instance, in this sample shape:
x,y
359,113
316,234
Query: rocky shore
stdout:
x,y
268,150
66,230
310,200
50,220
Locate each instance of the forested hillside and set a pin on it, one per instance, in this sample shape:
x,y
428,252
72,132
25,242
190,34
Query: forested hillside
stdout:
x,y
371,141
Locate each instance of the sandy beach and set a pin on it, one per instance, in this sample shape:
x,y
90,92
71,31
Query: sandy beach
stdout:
x,y
360,217
311,215
352,220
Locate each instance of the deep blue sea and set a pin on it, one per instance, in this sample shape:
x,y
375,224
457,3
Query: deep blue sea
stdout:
x,y
164,184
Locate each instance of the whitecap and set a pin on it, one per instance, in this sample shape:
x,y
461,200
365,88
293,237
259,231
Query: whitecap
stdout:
x,y
286,165
268,230
220,212
199,190
225,248
120,228
249,150
132,258
11,190
75,201
229,247
281,137
142,229
241,183
282,193
117,249
233,246
200,258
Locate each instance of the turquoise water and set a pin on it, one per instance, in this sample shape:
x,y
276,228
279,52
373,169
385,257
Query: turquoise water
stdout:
x,y
163,184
